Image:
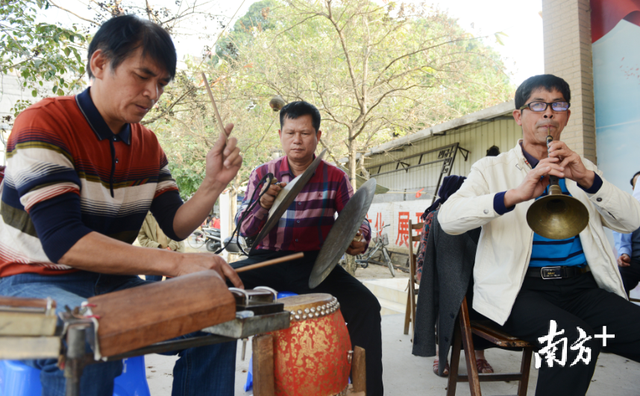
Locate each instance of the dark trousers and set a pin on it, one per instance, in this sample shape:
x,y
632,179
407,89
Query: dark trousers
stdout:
x,y
572,303
631,274
359,306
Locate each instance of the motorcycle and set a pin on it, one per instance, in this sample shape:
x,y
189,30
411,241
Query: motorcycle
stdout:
x,y
212,238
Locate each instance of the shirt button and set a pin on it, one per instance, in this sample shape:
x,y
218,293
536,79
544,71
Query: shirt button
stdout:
x,y
599,199
115,138
296,240
298,221
486,211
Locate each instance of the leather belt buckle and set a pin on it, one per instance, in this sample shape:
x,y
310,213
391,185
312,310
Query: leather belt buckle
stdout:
x,y
551,273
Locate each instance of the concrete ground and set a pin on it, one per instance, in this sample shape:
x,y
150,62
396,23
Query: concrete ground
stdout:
x,y
408,375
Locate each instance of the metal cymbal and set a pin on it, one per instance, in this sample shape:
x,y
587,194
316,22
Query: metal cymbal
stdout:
x,y
342,233
286,198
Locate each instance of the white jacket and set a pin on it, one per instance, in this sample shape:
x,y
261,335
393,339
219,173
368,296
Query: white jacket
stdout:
x,y
506,240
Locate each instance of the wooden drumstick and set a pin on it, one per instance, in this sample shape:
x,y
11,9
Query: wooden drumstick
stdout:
x,y
271,262
215,108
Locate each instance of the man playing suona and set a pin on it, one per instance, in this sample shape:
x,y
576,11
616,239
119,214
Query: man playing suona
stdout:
x,y
531,285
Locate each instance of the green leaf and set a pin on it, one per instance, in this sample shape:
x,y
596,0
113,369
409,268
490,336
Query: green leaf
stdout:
x,y
34,93
499,36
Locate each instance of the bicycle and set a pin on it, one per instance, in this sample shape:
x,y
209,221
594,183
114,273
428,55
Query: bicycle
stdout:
x,y
378,246
197,239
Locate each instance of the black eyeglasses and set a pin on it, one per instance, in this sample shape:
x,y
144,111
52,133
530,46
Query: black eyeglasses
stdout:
x,y
539,107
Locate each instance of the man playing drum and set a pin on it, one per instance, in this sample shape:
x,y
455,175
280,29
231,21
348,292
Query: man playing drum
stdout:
x,y
82,174
304,227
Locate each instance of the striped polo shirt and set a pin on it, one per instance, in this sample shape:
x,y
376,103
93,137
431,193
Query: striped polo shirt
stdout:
x,y
67,175
304,226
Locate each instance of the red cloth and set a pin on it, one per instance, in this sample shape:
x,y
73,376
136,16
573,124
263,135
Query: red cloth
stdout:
x,y
606,14
216,223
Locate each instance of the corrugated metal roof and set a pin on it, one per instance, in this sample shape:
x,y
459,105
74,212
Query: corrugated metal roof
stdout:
x,y
487,114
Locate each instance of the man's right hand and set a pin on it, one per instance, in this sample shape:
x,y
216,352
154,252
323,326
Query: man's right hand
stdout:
x,y
196,262
272,192
624,260
534,184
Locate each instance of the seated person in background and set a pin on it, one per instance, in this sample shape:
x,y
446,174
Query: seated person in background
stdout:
x,y
628,248
304,227
82,173
531,285
151,236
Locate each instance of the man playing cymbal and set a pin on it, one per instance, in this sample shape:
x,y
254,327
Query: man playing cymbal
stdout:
x,y
304,227
563,296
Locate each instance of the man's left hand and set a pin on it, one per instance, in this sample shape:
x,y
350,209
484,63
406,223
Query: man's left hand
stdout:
x,y
224,159
356,247
574,169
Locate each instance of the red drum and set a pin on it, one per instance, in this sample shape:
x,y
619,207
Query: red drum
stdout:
x,y
312,356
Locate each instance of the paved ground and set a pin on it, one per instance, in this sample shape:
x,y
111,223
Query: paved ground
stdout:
x,y
408,375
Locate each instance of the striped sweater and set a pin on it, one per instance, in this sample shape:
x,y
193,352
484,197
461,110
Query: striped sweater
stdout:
x,y
305,225
67,175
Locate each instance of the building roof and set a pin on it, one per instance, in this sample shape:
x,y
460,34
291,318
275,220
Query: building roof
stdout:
x,y
491,113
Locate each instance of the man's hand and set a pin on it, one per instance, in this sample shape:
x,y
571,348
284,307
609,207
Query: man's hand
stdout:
x,y
562,163
571,163
224,159
196,262
534,184
624,260
270,196
357,246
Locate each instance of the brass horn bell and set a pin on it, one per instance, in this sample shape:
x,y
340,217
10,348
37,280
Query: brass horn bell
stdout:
x,y
557,216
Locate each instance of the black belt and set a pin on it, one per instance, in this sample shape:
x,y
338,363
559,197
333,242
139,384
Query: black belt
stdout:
x,y
557,272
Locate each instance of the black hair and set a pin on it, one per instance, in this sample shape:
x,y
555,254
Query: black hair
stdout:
x,y
294,110
493,151
547,81
120,36
633,177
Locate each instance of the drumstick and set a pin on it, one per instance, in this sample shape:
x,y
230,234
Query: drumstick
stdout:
x,y
215,108
271,262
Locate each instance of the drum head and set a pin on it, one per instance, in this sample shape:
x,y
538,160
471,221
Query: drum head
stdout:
x,y
342,232
303,301
285,199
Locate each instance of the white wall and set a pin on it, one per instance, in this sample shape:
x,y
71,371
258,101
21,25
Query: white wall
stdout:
x,y
397,214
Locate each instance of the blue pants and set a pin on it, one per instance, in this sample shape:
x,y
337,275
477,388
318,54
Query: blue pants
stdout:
x,y
207,370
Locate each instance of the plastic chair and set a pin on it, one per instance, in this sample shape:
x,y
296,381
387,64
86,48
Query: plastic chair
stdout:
x,y
18,379
133,380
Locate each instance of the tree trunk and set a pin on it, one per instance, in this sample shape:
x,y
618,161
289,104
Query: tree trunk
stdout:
x,y
352,163
350,264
